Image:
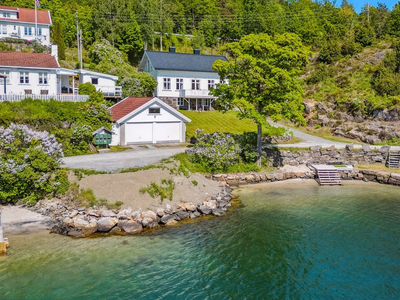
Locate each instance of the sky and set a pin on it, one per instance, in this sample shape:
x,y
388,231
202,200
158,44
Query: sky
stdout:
x,y
360,3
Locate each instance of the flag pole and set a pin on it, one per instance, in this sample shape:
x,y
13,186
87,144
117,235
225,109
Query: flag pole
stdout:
x,y
35,22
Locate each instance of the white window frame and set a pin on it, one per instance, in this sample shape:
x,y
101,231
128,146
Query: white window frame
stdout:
x,y
7,73
179,83
39,31
43,78
196,84
6,15
211,83
3,29
94,78
166,83
24,77
181,102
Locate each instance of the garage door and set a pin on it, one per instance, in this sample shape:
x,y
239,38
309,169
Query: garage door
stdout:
x,y
167,132
138,133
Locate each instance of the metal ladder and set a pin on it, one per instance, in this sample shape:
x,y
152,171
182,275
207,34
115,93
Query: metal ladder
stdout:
x,y
393,160
328,177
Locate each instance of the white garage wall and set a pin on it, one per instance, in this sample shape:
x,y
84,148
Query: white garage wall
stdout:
x,y
144,116
115,136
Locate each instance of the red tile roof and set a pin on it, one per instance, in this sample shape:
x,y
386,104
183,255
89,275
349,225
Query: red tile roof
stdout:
x,y
28,15
128,105
22,59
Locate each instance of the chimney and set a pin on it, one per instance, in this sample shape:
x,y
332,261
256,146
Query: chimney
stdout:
x,y
171,49
54,51
196,51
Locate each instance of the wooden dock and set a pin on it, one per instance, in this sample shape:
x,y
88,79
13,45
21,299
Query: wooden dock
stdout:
x,y
327,175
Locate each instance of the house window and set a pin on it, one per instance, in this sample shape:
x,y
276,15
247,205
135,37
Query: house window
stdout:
x,y
4,29
179,84
95,80
7,73
181,102
195,84
42,78
24,77
28,30
211,84
154,110
15,27
167,84
6,15
40,31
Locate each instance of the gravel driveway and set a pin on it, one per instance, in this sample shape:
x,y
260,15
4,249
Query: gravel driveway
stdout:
x,y
137,157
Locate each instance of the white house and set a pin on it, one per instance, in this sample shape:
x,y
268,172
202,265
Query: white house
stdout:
x,y
146,120
183,80
39,76
20,23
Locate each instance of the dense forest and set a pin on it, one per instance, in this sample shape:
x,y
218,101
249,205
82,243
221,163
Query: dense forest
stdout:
x,y
355,66
130,24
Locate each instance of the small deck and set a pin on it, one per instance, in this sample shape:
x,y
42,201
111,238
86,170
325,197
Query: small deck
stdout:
x,y
328,174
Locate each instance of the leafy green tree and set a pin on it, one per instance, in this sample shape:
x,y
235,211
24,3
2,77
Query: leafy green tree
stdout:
x,y
350,47
392,26
86,88
263,79
330,51
130,40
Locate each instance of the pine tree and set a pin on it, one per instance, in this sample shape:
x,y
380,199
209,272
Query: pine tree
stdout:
x,y
58,38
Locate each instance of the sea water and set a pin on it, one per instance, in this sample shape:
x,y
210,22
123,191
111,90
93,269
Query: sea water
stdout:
x,y
286,240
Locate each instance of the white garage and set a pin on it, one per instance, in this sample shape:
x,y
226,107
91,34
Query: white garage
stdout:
x,y
140,120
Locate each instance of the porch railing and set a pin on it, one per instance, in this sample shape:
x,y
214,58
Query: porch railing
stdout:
x,y
110,90
59,97
195,94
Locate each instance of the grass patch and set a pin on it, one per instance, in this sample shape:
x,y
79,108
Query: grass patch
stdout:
x,y
378,167
135,169
215,121
80,172
164,190
118,148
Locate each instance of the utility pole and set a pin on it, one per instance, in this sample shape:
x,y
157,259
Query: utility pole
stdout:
x,y
161,27
81,48
78,39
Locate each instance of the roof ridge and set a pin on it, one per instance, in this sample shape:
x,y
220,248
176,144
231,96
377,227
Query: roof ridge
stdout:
x,y
184,53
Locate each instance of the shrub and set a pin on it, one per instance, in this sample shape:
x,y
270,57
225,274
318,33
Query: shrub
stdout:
x,y
365,34
330,51
164,190
86,88
216,151
28,162
350,47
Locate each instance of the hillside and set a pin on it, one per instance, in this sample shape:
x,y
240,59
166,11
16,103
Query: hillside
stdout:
x,y
341,97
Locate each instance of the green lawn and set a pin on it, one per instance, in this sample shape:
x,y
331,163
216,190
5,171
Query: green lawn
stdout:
x,y
213,121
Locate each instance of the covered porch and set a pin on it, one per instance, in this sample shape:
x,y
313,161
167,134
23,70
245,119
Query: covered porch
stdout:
x,y
66,82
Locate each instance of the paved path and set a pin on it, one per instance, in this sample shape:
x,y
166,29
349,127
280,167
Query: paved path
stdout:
x,y
312,140
136,157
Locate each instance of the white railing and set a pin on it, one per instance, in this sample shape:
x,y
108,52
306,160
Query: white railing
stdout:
x,y
195,94
63,98
110,90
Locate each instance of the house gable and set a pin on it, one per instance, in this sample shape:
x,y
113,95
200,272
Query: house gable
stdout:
x,y
142,113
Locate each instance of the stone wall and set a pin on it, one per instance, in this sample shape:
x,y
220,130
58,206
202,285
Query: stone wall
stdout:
x,y
356,174
316,155
173,102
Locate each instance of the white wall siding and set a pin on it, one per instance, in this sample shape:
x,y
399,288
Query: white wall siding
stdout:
x,y
115,137
145,116
15,29
187,77
17,88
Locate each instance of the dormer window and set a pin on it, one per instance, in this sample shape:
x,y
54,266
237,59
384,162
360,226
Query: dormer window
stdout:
x,y
154,110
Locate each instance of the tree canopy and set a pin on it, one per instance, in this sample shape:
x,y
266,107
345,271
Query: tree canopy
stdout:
x,y
263,78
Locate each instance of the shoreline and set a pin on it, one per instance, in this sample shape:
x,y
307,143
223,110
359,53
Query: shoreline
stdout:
x,y
67,219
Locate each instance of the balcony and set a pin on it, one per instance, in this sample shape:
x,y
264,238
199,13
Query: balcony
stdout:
x,y
110,91
59,97
195,94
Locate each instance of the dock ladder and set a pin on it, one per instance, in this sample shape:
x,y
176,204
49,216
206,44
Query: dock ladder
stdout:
x,y
393,160
327,175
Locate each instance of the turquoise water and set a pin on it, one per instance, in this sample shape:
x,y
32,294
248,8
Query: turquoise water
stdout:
x,y
287,240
